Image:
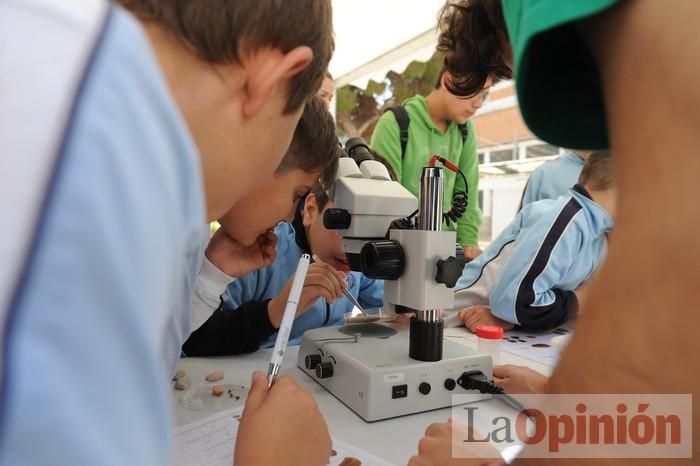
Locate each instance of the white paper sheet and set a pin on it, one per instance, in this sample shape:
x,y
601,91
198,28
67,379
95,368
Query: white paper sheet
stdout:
x,y
210,442
534,346
537,347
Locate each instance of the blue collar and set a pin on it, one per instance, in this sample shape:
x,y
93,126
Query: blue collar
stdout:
x,y
582,191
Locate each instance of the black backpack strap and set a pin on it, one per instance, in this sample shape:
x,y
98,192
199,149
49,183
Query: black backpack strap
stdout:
x,y
465,132
403,121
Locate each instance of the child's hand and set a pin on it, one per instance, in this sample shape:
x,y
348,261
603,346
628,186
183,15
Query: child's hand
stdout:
x,y
237,260
446,444
286,417
471,252
322,281
403,318
519,379
476,315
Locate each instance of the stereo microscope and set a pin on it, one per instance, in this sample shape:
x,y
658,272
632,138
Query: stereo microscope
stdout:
x,y
384,370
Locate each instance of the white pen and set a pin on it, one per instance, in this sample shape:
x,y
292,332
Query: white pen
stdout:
x,y
290,311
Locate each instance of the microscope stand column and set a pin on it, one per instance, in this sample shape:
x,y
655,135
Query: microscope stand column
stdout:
x,y
426,330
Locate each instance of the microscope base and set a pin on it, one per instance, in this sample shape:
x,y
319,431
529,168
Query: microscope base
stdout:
x,y
374,376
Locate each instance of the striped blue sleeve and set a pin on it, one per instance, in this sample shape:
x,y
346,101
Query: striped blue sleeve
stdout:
x,y
527,292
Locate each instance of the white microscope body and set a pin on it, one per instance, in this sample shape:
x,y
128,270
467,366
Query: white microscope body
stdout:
x,y
385,370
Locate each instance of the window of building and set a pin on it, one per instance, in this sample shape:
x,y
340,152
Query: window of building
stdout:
x,y
486,218
503,155
540,150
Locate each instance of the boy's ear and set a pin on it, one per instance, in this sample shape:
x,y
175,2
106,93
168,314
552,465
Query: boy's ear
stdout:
x,y
269,68
310,210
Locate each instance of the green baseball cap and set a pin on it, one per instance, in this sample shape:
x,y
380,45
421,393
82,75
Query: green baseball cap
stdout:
x,y
557,80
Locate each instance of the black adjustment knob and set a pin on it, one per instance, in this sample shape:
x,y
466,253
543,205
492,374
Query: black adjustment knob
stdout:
x,y
449,271
383,259
324,370
424,388
450,384
336,219
312,360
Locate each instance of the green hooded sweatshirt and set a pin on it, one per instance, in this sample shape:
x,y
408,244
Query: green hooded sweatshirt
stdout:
x,y
425,140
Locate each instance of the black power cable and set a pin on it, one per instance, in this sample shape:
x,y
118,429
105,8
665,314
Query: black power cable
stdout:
x,y
460,201
477,380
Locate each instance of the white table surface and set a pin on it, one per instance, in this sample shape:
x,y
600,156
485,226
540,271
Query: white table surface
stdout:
x,y
394,440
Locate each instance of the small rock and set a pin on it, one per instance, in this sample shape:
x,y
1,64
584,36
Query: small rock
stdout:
x,y
215,376
179,374
217,390
350,461
182,383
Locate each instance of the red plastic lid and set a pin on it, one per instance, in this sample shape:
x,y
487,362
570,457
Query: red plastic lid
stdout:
x,y
489,331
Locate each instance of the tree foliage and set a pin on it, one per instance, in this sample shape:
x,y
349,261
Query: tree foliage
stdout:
x,y
357,110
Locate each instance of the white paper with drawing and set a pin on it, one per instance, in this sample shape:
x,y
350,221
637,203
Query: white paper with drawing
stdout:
x,y
210,442
539,347
544,348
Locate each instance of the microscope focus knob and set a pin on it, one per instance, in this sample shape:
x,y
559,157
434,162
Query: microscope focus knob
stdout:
x,y
449,271
383,259
312,360
324,370
336,219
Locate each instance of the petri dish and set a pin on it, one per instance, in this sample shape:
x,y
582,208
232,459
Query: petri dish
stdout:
x,y
200,397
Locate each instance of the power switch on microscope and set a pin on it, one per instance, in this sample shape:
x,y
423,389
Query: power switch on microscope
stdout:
x,y
399,391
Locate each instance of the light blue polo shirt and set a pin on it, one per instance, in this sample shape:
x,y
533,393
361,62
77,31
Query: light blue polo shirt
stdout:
x,y
104,308
553,178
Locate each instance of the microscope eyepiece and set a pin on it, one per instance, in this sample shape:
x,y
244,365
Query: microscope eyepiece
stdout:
x,y
336,219
358,150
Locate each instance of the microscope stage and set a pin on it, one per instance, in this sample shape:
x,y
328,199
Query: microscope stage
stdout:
x,y
367,368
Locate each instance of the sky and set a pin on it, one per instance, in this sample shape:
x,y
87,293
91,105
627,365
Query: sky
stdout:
x,y
366,29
